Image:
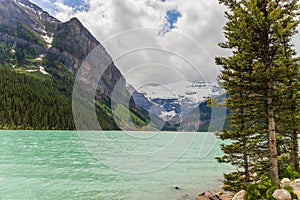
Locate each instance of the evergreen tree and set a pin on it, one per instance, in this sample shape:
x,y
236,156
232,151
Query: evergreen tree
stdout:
x,y
288,115
259,33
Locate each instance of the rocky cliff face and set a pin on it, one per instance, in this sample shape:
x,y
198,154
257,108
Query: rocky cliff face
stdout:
x,y
24,24
13,12
72,43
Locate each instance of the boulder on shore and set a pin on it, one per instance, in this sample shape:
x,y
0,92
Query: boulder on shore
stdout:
x,y
208,195
285,182
218,195
240,195
297,180
282,194
202,198
226,197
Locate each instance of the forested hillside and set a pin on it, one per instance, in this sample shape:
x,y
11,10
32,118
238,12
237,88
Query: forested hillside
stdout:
x,y
28,102
39,59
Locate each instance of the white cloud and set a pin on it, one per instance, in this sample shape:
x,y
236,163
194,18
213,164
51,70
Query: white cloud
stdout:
x,y
123,26
296,41
199,20
63,11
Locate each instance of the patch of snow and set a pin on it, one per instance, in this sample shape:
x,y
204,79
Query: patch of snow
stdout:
x,y
43,31
39,14
195,91
31,70
48,40
21,4
43,71
167,116
40,58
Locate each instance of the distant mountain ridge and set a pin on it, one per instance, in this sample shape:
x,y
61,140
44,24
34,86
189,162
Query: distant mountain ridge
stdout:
x,y
188,100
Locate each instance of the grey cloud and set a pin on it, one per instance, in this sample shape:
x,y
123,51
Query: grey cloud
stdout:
x,y
122,26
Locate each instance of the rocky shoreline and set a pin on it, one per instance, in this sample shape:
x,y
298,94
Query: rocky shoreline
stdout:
x,y
278,194
209,195
218,195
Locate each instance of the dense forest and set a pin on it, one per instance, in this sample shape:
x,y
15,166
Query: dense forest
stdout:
x,y
32,100
31,103
35,101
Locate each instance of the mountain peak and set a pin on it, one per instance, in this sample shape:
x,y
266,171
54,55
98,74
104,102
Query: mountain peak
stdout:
x,y
74,20
23,1
74,23
74,28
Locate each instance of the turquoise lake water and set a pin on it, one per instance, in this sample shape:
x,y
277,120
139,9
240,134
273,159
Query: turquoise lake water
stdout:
x,y
58,165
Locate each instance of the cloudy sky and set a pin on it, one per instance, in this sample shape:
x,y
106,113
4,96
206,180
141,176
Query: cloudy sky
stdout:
x,y
153,41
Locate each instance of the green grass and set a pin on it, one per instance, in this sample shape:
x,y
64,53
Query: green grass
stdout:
x,y
124,116
33,60
37,75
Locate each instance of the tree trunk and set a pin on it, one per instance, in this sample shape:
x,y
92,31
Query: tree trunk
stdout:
x,y
295,150
245,153
272,138
246,166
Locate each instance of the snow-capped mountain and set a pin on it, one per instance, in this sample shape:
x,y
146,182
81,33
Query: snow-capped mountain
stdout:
x,y
173,102
194,91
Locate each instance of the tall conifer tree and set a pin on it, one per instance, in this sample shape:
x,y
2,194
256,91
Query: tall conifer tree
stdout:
x,y
259,33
